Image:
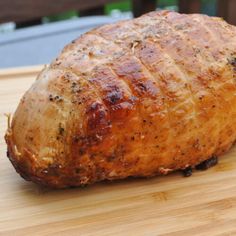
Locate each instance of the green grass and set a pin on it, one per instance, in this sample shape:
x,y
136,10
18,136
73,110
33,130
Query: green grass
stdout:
x,y
122,6
127,5
62,16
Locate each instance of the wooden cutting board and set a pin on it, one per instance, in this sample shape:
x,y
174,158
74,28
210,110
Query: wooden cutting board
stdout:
x,y
204,204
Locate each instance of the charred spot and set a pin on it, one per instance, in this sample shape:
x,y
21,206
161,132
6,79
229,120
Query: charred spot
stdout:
x,y
187,171
207,163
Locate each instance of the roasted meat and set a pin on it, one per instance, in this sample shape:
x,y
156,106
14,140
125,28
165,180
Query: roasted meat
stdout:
x,y
140,97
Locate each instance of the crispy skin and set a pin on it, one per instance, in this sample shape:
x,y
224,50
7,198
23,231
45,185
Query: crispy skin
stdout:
x,y
137,98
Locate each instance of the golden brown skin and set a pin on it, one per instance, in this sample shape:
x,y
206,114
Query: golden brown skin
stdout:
x,y
137,98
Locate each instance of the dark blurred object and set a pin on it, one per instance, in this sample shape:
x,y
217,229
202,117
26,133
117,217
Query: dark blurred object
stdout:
x,y
189,6
227,10
143,6
29,23
30,12
93,12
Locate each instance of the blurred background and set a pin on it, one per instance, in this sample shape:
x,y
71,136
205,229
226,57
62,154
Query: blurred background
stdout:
x,y
34,32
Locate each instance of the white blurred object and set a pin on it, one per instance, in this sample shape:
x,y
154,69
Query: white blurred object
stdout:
x,y
40,44
172,8
7,27
119,14
116,13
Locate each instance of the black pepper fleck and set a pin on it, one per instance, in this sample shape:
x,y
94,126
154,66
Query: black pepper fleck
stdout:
x,y
232,61
61,130
50,97
73,84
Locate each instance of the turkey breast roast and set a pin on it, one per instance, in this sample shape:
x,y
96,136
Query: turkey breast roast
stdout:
x,y
140,97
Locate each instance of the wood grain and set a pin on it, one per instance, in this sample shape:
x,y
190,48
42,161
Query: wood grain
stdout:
x,y
204,204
